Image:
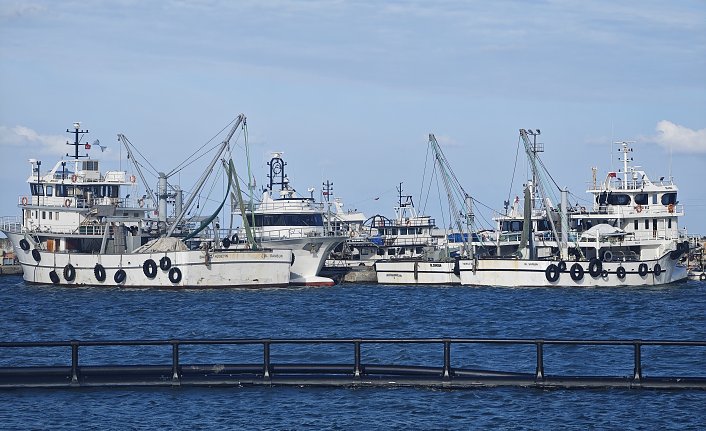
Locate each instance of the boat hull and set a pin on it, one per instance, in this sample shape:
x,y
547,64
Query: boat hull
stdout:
x,y
534,273
416,272
309,257
190,269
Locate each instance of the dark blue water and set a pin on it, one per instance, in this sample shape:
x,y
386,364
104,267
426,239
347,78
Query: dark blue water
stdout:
x,y
32,313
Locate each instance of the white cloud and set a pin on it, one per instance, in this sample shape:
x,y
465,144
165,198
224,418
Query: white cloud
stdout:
x,y
21,136
680,139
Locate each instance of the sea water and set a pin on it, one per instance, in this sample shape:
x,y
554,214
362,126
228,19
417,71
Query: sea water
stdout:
x,y
48,313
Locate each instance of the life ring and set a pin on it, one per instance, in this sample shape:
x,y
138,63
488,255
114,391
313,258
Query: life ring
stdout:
x,y
149,268
638,208
24,244
657,270
24,200
226,242
133,179
54,277
607,256
74,178
552,273
99,272
670,208
69,272
175,275
642,269
562,266
165,263
702,277
36,255
620,272
67,203
120,276
576,271
595,267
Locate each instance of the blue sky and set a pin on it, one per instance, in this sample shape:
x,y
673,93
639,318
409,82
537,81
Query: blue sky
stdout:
x,y
349,90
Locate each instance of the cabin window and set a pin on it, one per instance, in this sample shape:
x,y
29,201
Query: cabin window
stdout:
x,y
419,231
512,225
90,165
50,190
403,250
637,225
654,199
266,220
380,252
44,215
669,223
37,189
641,199
618,199
647,223
669,199
394,231
543,225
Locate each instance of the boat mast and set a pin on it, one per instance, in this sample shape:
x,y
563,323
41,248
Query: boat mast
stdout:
x,y
205,175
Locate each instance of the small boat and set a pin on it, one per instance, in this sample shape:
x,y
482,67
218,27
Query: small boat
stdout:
x,y
80,227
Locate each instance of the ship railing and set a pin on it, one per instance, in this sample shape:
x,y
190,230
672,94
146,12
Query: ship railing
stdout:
x,y
634,210
12,224
411,222
435,362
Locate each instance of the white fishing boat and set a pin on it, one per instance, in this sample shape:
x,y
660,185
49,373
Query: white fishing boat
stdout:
x,y
282,219
628,237
79,226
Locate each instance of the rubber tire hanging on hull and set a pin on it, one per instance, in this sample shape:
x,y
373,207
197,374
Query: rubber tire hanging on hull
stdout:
x,y
24,244
657,270
36,255
99,272
620,272
69,272
552,273
165,263
576,272
562,266
120,276
226,242
175,275
149,268
595,267
642,269
54,277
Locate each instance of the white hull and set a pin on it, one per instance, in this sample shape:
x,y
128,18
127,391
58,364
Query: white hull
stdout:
x,y
416,272
533,273
309,257
187,269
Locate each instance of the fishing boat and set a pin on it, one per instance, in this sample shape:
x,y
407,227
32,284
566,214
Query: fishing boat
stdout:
x,y
629,236
436,252
283,219
80,226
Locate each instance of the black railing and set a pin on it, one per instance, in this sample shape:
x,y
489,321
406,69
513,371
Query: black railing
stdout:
x,y
15,372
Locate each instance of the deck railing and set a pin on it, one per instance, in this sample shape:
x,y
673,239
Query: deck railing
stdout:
x,y
449,369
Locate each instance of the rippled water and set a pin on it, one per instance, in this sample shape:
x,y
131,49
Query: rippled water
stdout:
x,y
32,313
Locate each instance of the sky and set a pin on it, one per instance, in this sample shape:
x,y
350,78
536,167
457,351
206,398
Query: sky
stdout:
x,y
350,90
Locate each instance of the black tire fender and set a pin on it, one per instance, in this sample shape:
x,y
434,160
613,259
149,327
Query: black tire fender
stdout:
x,y
175,275
165,263
552,273
99,272
149,268
69,272
576,271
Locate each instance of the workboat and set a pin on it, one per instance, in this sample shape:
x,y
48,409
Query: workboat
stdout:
x,y
282,219
628,236
81,226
